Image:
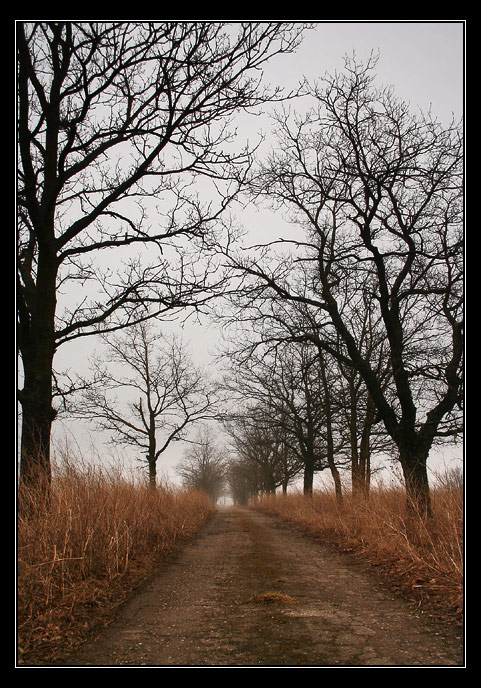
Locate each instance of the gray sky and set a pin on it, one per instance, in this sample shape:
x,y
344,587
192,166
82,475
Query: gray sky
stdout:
x,y
423,61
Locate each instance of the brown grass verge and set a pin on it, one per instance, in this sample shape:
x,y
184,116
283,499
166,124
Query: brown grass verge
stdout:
x,y
101,536
422,560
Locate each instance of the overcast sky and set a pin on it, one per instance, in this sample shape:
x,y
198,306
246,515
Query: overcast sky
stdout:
x,y
423,61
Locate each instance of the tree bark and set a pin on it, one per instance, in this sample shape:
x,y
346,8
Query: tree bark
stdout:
x,y
153,473
308,478
37,345
414,465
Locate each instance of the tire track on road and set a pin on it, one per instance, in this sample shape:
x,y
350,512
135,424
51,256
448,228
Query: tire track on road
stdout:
x,y
251,590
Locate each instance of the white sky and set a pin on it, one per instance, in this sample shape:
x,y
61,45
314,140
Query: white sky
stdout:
x,y
423,61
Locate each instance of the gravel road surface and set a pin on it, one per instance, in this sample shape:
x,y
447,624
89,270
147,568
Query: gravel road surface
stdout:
x,y
252,591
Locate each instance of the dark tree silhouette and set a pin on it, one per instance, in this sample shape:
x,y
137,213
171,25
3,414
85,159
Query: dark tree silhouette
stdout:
x,y
376,195
148,393
119,127
294,403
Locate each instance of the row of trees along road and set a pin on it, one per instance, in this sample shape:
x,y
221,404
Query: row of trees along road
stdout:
x,y
124,146
119,126
372,273
304,414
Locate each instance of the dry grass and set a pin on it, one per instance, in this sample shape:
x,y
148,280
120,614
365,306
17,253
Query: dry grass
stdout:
x,y
423,560
77,561
272,598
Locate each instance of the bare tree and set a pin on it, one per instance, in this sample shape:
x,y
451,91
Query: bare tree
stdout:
x,y
367,435
239,479
291,384
148,393
378,193
204,466
262,458
121,125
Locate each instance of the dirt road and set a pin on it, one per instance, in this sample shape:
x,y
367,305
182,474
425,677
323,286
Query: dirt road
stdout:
x,y
251,591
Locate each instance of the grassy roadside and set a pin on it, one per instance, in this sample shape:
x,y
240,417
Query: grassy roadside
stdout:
x,y
423,561
101,536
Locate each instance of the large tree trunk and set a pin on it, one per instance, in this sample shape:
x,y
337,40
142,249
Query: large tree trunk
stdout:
x,y
308,478
37,299
414,465
153,473
152,455
37,418
36,337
